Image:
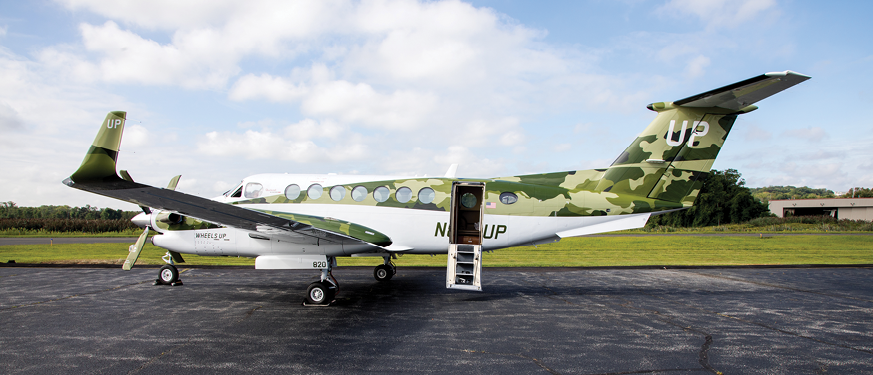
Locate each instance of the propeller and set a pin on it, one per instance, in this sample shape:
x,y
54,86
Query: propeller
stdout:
x,y
136,248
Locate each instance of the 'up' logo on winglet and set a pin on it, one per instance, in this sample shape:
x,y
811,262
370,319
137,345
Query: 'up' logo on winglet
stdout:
x,y
700,129
113,123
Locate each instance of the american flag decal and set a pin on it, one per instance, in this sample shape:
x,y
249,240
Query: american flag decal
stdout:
x,y
490,205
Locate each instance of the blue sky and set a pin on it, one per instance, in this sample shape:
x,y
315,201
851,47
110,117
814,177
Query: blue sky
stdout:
x,y
219,90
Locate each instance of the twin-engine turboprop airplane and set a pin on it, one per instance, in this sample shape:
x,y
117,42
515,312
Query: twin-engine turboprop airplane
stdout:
x,y
307,221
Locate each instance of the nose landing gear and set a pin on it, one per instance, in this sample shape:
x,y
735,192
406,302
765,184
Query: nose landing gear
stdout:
x,y
169,274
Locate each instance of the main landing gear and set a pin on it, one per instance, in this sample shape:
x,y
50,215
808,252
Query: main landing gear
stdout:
x,y
168,275
322,292
386,271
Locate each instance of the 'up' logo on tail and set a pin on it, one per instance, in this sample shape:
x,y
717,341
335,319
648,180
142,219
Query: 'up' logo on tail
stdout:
x,y
113,123
700,129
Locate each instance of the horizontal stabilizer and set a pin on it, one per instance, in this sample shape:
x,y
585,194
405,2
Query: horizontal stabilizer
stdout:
x,y
622,222
745,93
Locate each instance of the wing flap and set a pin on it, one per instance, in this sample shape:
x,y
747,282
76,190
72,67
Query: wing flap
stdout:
x,y
336,227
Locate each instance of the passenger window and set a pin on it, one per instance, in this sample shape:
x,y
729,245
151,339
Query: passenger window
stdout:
x,y
253,190
337,193
403,194
292,191
381,194
359,193
314,191
508,198
426,195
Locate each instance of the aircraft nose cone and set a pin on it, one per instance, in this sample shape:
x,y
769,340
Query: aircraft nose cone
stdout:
x,y
141,220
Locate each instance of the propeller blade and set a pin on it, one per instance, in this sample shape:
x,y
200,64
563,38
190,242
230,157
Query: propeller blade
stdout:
x,y
135,249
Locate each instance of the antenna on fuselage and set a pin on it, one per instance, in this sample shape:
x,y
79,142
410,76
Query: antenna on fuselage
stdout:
x,y
453,169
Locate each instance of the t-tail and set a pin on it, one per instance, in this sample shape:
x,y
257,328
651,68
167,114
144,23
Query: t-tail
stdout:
x,y
671,158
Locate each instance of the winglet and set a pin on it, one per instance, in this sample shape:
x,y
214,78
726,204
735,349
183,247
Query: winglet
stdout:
x,y
99,162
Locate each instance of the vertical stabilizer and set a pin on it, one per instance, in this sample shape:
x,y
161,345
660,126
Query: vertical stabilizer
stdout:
x,y
672,157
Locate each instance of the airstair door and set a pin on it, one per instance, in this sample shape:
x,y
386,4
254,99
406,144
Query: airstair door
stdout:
x,y
465,236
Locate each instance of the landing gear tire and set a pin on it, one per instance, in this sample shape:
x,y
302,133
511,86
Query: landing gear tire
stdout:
x,y
383,272
320,293
168,275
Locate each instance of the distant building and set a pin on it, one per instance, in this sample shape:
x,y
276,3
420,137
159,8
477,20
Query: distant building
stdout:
x,y
839,208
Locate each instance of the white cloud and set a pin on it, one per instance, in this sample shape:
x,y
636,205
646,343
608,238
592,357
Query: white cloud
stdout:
x,y
360,103
195,59
9,119
135,135
274,89
221,186
295,142
469,164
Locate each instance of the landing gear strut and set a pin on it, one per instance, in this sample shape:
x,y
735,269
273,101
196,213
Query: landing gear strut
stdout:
x,y
386,271
168,275
322,292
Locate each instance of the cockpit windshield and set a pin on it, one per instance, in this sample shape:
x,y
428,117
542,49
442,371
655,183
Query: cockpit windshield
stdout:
x,y
237,192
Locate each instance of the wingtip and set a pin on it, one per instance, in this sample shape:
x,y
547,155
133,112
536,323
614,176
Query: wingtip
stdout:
x,y
787,73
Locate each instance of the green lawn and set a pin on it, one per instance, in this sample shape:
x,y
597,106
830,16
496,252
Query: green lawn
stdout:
x,y
570,252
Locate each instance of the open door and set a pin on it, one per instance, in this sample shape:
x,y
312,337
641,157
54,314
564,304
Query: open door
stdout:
x,y
465,236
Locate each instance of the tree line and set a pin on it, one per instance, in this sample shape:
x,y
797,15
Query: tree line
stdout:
x,y
88,219
10,210
32,225
858,192
766,194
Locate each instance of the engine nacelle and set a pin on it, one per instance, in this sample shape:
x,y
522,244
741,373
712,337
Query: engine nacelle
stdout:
x,y
168,221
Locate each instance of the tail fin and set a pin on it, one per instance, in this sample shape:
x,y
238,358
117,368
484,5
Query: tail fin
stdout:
x,y
671,158
99,162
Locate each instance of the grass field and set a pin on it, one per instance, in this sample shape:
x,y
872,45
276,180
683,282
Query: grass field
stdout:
x,y
570,252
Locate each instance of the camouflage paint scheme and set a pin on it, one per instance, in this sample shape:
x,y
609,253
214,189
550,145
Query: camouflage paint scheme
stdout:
x,y
629,185
662,170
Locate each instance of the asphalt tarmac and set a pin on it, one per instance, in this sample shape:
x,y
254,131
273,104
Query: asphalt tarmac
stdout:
x,y
528,320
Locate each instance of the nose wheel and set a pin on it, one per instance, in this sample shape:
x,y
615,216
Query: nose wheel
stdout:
x,y
168,275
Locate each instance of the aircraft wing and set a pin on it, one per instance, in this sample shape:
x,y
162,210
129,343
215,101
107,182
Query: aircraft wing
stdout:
x,y
230,215
745,93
